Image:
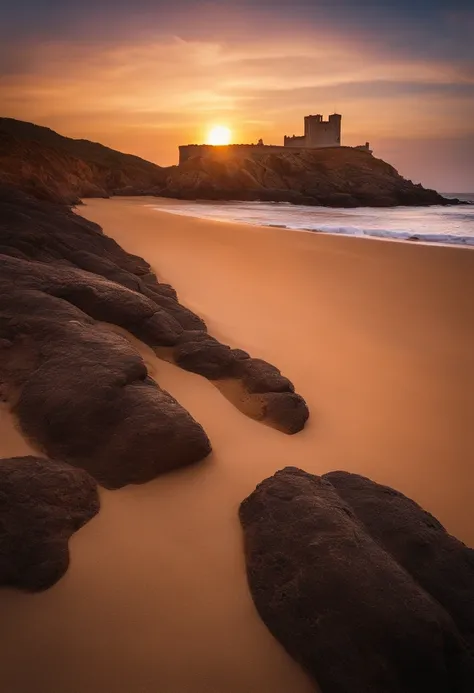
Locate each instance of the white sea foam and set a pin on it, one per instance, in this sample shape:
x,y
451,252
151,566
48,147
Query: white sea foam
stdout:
x,y
448,225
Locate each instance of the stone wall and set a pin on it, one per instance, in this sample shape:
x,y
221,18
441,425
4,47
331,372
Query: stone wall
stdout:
x,y
188,151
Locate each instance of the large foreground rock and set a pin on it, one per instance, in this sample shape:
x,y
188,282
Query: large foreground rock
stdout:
x,y
82,393
59,271
338,602
53,235
42,503
439,562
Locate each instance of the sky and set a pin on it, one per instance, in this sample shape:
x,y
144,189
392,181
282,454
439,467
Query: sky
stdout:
x,y
148,75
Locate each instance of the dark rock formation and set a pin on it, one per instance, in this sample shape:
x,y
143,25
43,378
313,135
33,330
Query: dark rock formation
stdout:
x,y
338,602
73,383
60,169
439,562
272,396
259,376
198,352
81,392
286,411
42,503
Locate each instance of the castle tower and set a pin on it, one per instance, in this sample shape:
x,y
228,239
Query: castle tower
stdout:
x,y
322,133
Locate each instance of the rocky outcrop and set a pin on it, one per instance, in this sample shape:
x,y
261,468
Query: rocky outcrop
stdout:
x,y
81,392
339,601
333,177
60,169
269,396
439,562
42,503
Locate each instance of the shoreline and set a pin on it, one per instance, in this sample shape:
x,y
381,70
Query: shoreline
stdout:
x,y
172,205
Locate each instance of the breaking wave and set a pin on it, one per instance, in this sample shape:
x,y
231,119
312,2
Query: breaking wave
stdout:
x,y
447,225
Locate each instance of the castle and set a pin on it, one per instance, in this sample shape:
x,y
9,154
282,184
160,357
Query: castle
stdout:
x,y
318,133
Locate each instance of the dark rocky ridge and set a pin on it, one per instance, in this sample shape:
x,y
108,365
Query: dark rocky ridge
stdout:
x,y
42,503
51,167
59,169
345,599
73,383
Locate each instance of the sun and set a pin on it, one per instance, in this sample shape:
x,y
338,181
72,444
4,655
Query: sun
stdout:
x,y
219,135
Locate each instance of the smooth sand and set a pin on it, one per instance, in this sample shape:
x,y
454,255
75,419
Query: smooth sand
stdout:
x,y
378,337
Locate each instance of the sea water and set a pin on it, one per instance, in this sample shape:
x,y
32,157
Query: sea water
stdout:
x,y
436,224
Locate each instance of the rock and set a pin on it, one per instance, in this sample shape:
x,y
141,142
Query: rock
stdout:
x,y
161,329
439,562
198,352
66,275
240,354
287,411
73,386
338,602
61,169
42,503
164,289
259,376
97,297
185,317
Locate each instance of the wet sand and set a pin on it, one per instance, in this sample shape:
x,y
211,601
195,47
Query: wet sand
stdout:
x,y
378,336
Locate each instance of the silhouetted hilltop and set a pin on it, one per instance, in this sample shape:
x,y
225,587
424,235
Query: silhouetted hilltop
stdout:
x,y
92,152
51,167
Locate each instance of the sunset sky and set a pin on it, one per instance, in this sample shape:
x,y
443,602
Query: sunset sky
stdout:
x,y
148,75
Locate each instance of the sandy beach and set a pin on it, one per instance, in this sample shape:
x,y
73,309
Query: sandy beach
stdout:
x,y
377,336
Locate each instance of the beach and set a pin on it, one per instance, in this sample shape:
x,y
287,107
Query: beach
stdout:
x,y
376,335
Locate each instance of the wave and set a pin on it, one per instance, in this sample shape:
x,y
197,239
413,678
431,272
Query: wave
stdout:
x,y
425,225
398,235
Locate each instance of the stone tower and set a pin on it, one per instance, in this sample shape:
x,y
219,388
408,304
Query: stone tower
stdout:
x,y
318,133
322,133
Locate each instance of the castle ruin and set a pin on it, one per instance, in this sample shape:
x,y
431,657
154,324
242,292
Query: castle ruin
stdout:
x,y
318,134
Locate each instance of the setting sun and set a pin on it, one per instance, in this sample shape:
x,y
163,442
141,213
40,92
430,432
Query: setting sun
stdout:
x,y
219,135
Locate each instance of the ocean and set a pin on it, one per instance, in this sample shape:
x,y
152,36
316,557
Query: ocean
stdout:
x,y
447,225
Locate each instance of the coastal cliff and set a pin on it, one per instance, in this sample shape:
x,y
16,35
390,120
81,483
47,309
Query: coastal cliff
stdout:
x,y
54,168
332,177
60,169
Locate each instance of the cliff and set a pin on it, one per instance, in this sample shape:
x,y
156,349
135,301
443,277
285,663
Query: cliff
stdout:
x,y
333,177
60,169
